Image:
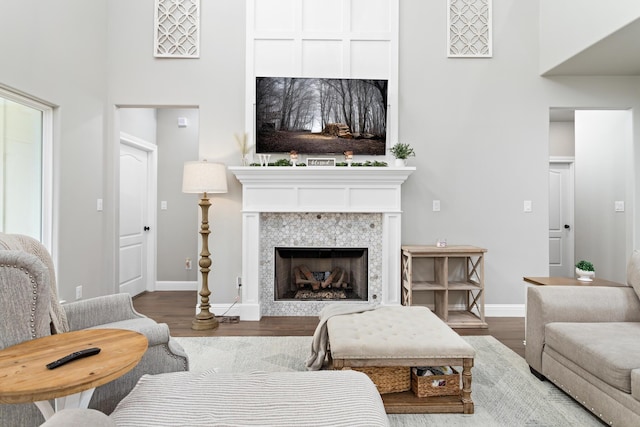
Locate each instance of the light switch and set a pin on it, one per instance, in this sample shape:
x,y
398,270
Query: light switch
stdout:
x,y
528,206
436,205
163,205
619,205
99,205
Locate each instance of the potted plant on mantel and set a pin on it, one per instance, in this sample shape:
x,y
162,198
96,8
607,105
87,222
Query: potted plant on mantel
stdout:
x,y
585,271
402,152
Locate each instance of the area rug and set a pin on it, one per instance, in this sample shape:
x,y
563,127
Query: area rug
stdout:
x,y
504,391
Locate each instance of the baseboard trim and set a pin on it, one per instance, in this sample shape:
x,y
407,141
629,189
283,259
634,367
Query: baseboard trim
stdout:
x,y
176,286
225,309
504,310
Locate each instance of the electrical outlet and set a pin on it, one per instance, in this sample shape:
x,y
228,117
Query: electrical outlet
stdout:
x,y
79,292
187,264
238,282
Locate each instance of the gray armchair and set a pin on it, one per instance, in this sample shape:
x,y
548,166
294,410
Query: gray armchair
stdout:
x,y
29,308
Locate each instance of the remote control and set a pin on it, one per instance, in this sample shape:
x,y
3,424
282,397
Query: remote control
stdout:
x,y
73,356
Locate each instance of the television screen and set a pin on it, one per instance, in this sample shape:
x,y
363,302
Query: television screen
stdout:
x,y
318,116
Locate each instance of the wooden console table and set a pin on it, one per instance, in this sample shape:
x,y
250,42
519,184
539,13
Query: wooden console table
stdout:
x,y
469,284
25,377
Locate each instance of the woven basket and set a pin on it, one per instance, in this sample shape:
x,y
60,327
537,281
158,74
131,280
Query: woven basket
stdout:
x,y
447,385
388,379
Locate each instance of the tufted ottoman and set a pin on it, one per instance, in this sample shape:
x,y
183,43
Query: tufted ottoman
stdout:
x,y
403,336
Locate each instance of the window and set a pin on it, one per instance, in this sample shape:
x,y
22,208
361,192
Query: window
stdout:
x,y
25,166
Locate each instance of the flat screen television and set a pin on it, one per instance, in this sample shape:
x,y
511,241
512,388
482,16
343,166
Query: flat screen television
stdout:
x,y
320,115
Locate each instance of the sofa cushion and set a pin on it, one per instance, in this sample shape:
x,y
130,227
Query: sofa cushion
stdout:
x,y
608,351
633,271
294,399
635,383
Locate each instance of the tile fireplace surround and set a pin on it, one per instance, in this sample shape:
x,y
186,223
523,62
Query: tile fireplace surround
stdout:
x,y
318,207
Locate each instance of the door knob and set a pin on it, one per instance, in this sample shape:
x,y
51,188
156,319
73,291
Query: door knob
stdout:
x,y
146,228
567,226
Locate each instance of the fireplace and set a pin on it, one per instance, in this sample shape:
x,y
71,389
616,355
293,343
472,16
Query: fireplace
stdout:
x,y
320,274
297,231
316,207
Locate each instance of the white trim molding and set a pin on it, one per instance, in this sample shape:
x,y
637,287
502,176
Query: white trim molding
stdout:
x,y
504,310
176,29
469,29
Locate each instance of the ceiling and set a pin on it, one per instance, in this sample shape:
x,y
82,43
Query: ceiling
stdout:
x,y
615,55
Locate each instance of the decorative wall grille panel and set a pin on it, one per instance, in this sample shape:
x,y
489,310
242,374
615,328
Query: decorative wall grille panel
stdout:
x,y
177,29
469,28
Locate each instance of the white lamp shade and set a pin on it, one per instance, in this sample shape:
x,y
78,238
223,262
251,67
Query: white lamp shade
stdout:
x,y
204,177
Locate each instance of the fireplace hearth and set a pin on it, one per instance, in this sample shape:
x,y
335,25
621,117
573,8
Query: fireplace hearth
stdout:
x,y
321,274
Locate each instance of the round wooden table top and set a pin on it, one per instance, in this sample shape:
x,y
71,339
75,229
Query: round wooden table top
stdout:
x,y
24,376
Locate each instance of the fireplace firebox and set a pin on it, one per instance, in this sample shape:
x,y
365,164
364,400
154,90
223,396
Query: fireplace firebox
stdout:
x,y
321,274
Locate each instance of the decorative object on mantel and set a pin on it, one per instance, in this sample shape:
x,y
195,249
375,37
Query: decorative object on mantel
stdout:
x,y
264,159
585,271
177,29
245,147
321,161
348,156
402,152
285,162
293,155
205,178
469,29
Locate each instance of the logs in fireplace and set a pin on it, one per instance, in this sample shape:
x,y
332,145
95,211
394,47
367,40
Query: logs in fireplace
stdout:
x,y
321,274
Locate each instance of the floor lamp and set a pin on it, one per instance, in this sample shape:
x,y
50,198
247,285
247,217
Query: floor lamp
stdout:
x,y
204,178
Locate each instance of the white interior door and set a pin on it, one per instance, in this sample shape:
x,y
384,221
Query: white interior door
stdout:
x,y
134,190
561,234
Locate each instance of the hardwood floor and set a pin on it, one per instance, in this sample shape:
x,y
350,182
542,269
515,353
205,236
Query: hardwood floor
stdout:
x,y
176,309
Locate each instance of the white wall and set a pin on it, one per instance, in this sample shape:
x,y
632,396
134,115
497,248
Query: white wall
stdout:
x,y
214,83
139,122
480,127
179,224
56,51
569,26
603,143
562,137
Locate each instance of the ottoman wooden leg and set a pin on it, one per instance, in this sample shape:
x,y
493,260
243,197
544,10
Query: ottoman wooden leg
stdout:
x,y
467,403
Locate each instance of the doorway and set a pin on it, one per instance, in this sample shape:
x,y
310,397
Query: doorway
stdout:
x,y
599,145
137,200
561,217
169,137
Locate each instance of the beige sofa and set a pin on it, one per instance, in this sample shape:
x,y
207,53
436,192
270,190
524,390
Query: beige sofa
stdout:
x,y
586,340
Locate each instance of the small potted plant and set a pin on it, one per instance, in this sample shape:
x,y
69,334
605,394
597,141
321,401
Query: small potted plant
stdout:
x,y
402,152
585,271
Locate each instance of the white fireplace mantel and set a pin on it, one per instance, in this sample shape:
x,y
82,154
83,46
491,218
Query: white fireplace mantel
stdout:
x,y
319,189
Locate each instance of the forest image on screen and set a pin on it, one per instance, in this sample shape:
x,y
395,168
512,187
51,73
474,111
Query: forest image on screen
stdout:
x,y
321,116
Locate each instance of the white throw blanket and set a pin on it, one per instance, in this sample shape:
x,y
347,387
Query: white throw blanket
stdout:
x,y
321,335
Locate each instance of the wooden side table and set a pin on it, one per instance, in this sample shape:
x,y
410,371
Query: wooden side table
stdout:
x,y
569,281
24,376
